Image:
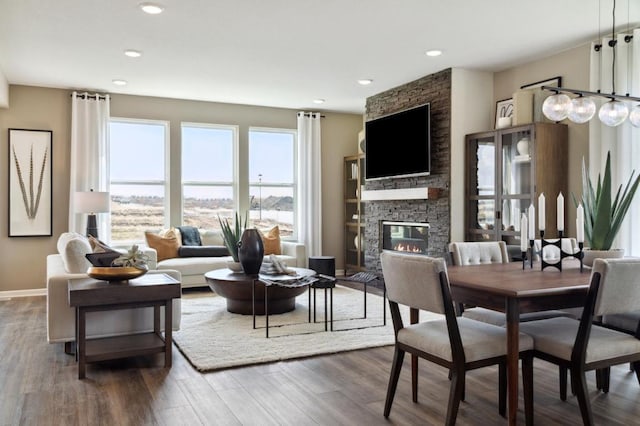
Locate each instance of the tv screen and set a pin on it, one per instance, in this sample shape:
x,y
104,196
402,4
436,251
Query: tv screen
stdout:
x,y
398,145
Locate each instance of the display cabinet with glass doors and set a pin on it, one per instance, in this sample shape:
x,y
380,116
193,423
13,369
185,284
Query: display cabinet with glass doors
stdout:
x,y
507,170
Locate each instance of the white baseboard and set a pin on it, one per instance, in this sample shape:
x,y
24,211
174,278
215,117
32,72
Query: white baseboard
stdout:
x,y
6,295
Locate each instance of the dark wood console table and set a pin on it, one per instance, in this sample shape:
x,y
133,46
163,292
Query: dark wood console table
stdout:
x,y
151,290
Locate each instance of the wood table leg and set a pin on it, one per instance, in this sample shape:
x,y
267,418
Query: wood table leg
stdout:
x,y
168,325
81,343
266,311
513,351
156,320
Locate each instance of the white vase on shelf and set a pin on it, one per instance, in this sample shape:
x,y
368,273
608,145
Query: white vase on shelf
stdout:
x,y
523,146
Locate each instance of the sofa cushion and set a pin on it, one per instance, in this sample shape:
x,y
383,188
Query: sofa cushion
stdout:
x,y
195,265
190,236
73,247
211,237
202,251
271,241
166,245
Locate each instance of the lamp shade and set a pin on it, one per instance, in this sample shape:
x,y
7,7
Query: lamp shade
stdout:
x,y
556,107
634,116
613,113
92,202
582,109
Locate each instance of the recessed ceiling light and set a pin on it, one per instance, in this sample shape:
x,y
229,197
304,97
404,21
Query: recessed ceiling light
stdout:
x,y
318,101
119,82
151,8
365,81
132,53
434,52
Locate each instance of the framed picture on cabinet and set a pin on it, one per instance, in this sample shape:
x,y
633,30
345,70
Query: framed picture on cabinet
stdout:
x,y
30,183
504,111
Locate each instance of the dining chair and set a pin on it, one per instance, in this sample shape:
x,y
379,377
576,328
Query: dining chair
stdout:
x,y
581,346
483,252
456,343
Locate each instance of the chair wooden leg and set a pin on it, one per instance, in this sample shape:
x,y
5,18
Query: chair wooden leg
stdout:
x,y
605,375
455,396
502,389
631,366
527,386
636,368
599,379
562,372
398,357
414,378
580,382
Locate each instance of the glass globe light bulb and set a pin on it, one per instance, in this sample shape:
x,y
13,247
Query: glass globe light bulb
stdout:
x,y
613,113
556,107
634,116
582,110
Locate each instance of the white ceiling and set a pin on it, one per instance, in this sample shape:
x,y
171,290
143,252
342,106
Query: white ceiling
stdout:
x,y
282,53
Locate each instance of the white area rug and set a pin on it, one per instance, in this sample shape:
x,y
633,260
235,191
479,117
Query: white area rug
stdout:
x,y
212,338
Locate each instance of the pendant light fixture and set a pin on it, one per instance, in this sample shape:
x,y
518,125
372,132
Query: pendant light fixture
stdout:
x,y
581,109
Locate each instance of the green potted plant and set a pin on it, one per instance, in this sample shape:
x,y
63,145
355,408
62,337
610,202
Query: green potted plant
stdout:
x,y
603,215
231,235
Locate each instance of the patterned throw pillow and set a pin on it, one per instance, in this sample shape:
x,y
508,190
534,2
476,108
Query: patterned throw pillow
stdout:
x,y
271,241
166,245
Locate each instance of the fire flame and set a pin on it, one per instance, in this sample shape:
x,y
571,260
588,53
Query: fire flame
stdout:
x,y
411,248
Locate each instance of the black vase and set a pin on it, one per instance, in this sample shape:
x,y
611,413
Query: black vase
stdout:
x,y
250,251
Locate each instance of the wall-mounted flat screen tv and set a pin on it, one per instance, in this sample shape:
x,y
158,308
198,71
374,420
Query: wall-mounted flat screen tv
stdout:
x,y
398,145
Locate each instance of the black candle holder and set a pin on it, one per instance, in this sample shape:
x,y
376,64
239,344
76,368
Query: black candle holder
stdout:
x,y
563,254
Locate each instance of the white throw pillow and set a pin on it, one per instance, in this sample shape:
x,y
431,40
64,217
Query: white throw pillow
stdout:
x,y
211,237
73,247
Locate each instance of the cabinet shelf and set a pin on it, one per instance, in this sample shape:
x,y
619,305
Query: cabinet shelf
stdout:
x,y
353,205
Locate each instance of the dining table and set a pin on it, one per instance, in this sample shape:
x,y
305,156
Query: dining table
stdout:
x,y
510,288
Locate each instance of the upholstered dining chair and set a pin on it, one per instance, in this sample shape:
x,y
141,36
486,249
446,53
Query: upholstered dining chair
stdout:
x,y
483,252
583,346
458,344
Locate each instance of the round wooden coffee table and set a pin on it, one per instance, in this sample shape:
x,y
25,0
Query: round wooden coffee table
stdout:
x,y
236,288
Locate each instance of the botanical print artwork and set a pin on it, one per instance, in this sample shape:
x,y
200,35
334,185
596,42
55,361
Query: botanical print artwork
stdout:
x,y
30,183
30,205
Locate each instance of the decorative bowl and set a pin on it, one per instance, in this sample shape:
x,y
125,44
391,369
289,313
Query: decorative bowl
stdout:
x,y
234,266
115,273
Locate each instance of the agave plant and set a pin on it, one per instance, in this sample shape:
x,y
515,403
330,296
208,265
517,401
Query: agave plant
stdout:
x,y
602,217
232,234
134,257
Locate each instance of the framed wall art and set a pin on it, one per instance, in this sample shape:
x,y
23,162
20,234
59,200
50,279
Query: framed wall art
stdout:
x,y
30,183
504,111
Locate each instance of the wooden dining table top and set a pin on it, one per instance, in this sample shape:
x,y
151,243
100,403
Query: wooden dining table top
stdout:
x,y
510,280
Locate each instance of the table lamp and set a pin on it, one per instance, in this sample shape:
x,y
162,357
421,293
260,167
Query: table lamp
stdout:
x,y
92,202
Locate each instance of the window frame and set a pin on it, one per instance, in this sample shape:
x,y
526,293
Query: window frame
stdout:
x,y
296,174
235,186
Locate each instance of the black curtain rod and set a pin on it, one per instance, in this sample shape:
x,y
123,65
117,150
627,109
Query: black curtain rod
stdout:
x,y
98,97
308,114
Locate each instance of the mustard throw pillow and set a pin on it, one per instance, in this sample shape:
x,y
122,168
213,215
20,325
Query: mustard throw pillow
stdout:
x,y
166,245
271,241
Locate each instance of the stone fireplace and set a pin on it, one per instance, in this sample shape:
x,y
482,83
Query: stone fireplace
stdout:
x,y
410,237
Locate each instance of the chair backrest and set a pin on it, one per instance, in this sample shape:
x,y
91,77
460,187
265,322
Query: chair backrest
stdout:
x,y
569,245
413,280
619,290
478,252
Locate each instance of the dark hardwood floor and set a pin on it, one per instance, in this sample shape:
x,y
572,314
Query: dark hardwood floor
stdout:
x,y
39,385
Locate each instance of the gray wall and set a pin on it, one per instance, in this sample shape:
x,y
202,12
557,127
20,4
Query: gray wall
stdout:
x,y
50,109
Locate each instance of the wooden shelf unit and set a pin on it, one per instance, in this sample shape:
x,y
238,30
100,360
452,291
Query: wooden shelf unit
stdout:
x,y
353,214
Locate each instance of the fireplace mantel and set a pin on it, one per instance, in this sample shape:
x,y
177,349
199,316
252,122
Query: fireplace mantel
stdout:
x,y
423,193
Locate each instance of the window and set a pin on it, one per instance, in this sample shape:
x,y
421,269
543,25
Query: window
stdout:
x,y
138,188
272,179
208,174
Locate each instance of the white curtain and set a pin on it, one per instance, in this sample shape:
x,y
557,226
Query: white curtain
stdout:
x,y
623,141
89,156
309,183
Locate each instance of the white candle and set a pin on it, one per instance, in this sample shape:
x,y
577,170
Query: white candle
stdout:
x,y
541,218
580,224
560,207
532,222
523,232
